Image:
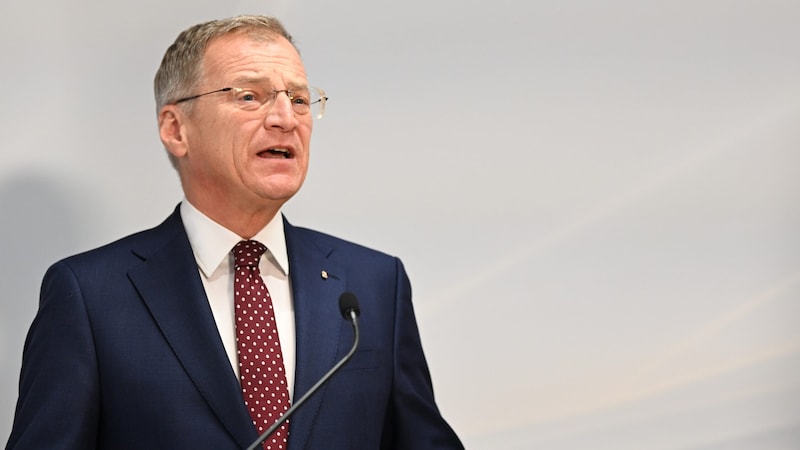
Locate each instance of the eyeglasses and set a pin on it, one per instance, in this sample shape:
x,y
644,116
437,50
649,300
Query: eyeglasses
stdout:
x,y
304,101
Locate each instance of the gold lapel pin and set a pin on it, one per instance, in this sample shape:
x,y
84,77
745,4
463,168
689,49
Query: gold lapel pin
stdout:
x,y
324,274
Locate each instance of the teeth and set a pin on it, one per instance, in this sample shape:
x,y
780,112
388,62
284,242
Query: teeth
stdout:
x,y
280,151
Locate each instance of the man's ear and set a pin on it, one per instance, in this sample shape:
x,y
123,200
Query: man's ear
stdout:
x,y
171,130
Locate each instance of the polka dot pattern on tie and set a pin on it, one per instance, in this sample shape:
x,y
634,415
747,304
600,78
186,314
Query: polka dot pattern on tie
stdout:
x,y
261,370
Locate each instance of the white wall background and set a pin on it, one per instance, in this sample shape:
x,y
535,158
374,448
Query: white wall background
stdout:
x,y
598,202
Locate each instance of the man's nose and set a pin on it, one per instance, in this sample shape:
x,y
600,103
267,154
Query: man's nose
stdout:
x,y
280,113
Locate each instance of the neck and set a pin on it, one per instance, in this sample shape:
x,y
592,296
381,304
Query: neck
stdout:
x,y
244,222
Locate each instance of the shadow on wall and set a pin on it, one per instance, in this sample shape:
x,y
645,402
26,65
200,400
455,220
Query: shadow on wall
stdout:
x,y
43,220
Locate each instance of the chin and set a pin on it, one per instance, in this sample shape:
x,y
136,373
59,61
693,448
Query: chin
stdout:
x,y
279,193
276,187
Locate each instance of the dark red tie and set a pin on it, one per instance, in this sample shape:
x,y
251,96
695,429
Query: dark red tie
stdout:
x,y
262,375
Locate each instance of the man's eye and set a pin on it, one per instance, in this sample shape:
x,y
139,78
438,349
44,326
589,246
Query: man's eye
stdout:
x,y
300,100
247,96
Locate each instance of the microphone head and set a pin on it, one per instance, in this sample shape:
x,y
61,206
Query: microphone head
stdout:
x,y
348,302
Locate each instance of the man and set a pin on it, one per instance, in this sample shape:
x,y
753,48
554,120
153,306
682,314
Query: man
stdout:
x,y
146,343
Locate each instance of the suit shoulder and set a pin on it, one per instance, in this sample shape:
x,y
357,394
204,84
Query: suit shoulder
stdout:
x,y
133,246
337,244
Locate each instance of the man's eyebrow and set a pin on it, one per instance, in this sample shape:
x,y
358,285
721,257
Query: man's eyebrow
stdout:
x,y
251,80
266,81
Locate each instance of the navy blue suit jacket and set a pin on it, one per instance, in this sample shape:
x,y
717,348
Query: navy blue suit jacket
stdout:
x,y
124,353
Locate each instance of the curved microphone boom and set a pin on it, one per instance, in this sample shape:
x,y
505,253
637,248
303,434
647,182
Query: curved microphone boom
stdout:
x,y
348,306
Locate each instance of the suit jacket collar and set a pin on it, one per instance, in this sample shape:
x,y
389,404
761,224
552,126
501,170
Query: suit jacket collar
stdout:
x,y
317,282
169,284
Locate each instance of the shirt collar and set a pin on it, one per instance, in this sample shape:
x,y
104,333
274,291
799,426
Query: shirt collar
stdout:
x,y
212,243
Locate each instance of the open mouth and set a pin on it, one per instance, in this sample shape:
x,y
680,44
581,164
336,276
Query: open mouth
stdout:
x,y
276,153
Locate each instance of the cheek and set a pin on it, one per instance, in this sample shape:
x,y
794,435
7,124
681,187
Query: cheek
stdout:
x,y
212,136
237,144
305,138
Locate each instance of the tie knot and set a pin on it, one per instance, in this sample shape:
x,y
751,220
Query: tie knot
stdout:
x,y
247,253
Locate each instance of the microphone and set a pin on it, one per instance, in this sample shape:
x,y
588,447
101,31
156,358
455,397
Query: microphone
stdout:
x,y
348,306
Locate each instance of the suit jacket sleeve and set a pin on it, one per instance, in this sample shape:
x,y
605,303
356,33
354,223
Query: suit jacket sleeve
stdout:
x,y
414,421
58,392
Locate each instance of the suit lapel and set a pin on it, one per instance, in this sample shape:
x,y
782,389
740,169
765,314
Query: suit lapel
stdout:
x,y
169,284
318,324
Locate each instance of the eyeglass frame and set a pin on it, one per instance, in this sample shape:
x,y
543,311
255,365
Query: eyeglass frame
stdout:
x,y
322,99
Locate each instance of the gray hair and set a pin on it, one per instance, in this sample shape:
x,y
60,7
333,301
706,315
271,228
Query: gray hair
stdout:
x,y
181,67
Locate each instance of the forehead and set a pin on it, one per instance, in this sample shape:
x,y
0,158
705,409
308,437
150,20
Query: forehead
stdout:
x,y
239,56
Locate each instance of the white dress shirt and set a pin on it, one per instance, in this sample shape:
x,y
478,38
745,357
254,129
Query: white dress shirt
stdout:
x,y
212,244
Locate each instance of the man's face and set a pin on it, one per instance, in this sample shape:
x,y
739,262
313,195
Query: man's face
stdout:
x,y
240,159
